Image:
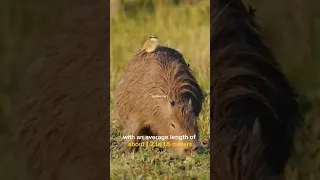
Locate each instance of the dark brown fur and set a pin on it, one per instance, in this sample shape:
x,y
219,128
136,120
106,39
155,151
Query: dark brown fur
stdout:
x,y
248,83
161,73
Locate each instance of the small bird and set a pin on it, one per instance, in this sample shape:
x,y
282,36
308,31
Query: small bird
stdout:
x,y
150,45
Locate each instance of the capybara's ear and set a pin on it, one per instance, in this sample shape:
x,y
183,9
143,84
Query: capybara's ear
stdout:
x,y
190,103
252,11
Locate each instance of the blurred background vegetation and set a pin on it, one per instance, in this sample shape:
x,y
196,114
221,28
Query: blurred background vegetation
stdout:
x,y
181,25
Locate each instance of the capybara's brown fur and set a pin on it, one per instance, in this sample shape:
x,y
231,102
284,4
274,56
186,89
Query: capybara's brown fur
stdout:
x,y
61,107
163,73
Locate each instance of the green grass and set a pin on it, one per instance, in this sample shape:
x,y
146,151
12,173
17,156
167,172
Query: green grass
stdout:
x,y
185,28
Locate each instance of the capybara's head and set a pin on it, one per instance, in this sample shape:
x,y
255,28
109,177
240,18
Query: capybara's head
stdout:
x,y
180,122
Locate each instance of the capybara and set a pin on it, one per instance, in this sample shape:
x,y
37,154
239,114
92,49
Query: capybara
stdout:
x,y
158,95
248,83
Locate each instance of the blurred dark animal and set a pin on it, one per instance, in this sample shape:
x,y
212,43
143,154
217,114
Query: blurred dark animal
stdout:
x,y
60,118
248,83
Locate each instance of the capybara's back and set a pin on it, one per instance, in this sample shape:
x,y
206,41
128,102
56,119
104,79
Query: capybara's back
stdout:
x,y
159,94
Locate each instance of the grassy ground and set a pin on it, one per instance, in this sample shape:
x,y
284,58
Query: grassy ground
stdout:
x,y
185,28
